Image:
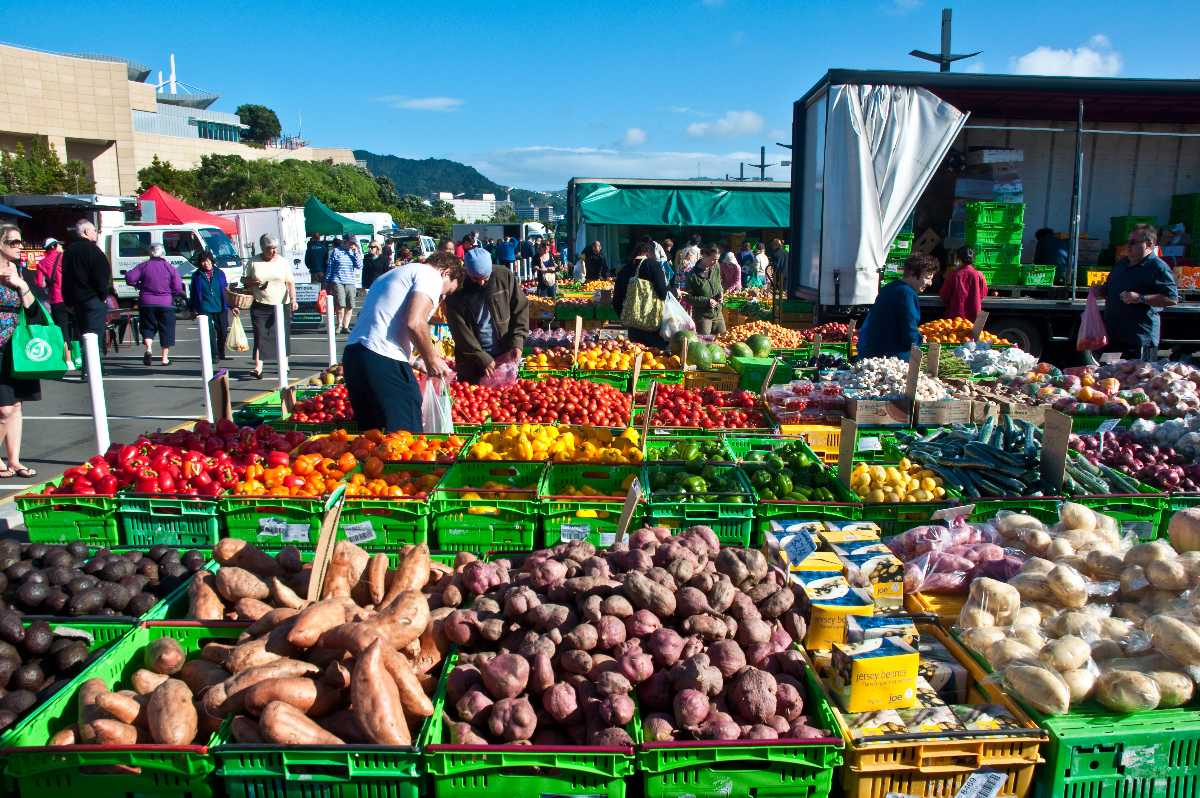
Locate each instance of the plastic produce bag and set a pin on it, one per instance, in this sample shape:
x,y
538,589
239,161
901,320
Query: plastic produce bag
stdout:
x,y
503,375
435,407
674,318
1092,334
236,341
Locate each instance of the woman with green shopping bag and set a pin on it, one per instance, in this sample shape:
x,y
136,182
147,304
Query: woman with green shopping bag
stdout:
x,y
15,299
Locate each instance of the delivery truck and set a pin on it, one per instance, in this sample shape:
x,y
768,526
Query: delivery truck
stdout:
x,y
285,224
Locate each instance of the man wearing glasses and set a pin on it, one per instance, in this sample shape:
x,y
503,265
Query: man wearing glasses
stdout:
x,y
1138,288
87,281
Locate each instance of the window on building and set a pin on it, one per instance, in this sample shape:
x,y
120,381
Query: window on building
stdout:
x,y
180,244
133,245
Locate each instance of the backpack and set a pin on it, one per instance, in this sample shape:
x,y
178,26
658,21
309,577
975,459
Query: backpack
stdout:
x,y
642,309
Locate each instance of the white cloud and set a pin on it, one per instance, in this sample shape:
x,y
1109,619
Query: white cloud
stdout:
x,y
421,103
550,167
778,134
634,137
1094,59
733,123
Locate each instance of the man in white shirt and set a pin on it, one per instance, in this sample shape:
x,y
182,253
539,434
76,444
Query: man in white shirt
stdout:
x,y
394,320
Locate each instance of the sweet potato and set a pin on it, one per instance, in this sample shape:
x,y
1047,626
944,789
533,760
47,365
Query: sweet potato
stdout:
x,y
315,619
645,594
375,699
235,685
642,623
473,704
461,679
245,730
512,719
719,726
691,708
541,673
164,656
575,661
284,596
283,724
146,681
611,682
203,602
636,666
274,645
249,609
691,601
789,700
611,631
616,710
616,605
120,707
313,698
583,637
752,695
171,715
708,627
234,583
658,727
113,732
67,736
665,645
377,570
412,572
505,676
289,560
727,656
216,653
230,552
560,702
412,696
697,673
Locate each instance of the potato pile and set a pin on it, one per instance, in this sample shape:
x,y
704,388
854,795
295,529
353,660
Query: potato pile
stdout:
x,y
1090,619
559,643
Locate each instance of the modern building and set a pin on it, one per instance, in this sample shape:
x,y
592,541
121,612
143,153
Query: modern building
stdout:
x,y
472,211
100,110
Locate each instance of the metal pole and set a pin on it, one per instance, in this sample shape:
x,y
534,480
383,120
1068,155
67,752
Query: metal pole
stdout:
x,y
946,23
95,375
1076,201
281,346
331,337
206,369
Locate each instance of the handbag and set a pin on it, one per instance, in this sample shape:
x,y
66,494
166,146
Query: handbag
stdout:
x,y
643,309
37,349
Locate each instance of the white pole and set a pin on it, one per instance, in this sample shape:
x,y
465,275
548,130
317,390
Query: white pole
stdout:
x,y
206,369
281,346
329,334
91,360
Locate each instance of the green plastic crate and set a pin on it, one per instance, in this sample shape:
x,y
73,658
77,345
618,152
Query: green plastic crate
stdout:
x,y
594,519
175,605
141,770
660,443
66,519
1174,503
895,518
747,769
1141,513
569,312
665,376
342,771
508,523
1084,424
270,521
1033,274
995,213
752,371
733,522
613,379
514,771
390,522
993,235
170,521
605,312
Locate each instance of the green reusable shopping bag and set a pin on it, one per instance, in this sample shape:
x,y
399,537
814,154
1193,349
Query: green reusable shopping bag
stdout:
x,y
37,349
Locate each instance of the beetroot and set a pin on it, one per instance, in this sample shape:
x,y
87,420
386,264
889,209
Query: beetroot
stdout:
x,y
691,707
727,656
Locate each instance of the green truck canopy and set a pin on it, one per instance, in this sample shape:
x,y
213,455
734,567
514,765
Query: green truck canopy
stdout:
x,y
320,219
668,206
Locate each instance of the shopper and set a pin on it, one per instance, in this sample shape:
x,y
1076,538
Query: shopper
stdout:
x,y
547,272
506,251
731,272
488,317
644,266
15,294
207,297
891,326
595,266
158,284
762,266
50,276
87,282
315,255
704,292
343,272
1053,251
964,286
668,246
467,243
403,256
746,258
528,248
377,363
447,246
1139,286
272,285
685,259
375,263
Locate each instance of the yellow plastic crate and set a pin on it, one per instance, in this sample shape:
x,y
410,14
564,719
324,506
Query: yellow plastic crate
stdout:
x,y
725,379
1097,278
945,607
824,439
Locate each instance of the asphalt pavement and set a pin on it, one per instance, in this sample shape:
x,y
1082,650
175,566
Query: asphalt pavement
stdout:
x,y
59,431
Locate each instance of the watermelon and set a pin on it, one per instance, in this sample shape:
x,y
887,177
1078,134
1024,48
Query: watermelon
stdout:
x,y
699,356
760,345
716,354
678,338
740,350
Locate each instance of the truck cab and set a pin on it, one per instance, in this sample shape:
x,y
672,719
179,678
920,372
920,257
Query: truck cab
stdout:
x,y
128,245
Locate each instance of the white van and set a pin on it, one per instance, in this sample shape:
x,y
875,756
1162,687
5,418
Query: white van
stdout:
x,y
128,245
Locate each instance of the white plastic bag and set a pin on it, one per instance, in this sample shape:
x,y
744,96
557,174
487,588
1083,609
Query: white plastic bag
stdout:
x,y
580,271
235,340
674,318
435,407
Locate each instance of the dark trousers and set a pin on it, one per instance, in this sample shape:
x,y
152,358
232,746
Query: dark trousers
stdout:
x,y
218,330
158,319
262,321
383,392
90,316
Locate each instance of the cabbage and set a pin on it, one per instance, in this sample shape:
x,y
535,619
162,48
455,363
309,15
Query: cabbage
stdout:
x,y
1143,430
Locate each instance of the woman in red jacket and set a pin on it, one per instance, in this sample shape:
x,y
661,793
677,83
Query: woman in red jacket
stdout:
x,y
964,287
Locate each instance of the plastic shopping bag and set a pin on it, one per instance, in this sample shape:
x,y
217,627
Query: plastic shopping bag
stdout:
x,y
1092,334
580,271
322,301
674,318
503,375
435,407
236,341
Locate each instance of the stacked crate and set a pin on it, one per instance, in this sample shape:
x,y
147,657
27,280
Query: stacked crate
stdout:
x,y
994,230
1185,209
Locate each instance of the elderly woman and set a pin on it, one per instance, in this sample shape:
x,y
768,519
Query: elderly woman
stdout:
x,y
14,295
705,293
158,284
731,272
271,282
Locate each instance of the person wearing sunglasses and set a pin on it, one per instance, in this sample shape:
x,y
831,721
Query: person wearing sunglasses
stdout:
x,y
1139,286
271,282
375,263
15,294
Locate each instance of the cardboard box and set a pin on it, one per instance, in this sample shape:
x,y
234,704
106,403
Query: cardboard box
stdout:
x,y
943,411
846,531
859,630
927,242
798,551
878,412
991,155
828,600
864,725
966,188
930,720
881,573
875,675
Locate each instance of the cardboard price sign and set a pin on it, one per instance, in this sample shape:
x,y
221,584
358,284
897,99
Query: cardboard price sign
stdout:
x,y
287,397
850,328
818,341
578,339
646,418
935,354
631,500
914,375
1056,434
325,542
637,372
219,396
980,320
770,375
846,450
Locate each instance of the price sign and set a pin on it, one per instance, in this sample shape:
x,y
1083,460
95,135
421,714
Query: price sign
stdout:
x,y
296,533
574,531
637,372
271,527
818,342
1110,357
982,784
1108,426
578,339
870,445
980,320
219,395
631,500
325,542
932,364
846,450
359,533
1056,434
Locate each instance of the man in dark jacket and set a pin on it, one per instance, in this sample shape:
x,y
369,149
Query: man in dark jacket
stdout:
x,y
87,281
315,256
488,317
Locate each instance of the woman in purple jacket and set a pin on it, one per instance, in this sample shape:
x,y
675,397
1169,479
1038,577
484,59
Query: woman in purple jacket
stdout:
x,y
158,284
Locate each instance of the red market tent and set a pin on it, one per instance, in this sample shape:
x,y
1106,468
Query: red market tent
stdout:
x,y
172,210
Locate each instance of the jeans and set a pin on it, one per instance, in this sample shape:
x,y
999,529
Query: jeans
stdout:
x,y
218,330
713,326
383,392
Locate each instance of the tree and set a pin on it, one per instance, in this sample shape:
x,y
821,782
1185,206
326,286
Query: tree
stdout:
x,y
262,121
505,214
441,209
39,170
180,182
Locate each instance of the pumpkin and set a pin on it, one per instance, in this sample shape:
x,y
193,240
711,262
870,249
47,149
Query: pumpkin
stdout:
x,y
1184,530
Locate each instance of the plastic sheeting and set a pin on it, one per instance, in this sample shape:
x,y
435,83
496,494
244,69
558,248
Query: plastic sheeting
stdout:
x,y
883,145
665,206
320,218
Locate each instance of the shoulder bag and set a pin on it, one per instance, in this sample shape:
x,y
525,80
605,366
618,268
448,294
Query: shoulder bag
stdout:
x,y
643,310
37,349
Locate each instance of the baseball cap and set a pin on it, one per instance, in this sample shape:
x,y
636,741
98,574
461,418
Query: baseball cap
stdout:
x,y
478,262
49,243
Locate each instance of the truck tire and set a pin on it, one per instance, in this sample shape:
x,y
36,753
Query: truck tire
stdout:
x,y
1025,334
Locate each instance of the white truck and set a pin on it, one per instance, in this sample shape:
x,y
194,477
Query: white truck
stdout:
x,y
127,245
285,224
381,223
518,230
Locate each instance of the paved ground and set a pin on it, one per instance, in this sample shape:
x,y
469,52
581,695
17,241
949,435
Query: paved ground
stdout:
x,y
59,431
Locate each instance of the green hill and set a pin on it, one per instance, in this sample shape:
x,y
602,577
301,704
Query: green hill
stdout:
x,y
421,177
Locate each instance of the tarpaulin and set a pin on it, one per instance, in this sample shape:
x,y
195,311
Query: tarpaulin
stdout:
x,y
170,209
666,206
320,219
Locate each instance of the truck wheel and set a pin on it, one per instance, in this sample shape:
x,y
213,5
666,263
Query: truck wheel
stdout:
x,y
1024,334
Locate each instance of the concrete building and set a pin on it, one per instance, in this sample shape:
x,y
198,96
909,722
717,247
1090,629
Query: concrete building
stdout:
x,y
472,211
100,111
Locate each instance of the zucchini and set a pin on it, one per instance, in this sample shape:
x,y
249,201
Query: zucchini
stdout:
x,y
985,430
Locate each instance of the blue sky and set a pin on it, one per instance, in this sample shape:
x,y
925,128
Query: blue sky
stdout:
x,y
532,93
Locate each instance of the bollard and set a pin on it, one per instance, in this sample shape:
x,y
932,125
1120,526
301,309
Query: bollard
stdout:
x,y
281,346
206,369
95,376
332,338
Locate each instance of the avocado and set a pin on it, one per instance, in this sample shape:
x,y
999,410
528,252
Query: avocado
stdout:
x,y
116,569
134,584
35,576
78,550
193,561
133,556
55,601
11,628
156,553
3,582
17,701
116,595
172,555
87,602
71,656
7,719
38,638
32,594
9,651
29,677
94,566
19,570
10,548
149,569
81,583
140,604
59,558
59,575
172,571
37,551
8,666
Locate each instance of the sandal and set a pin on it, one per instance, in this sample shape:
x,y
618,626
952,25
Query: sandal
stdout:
x,y
23,472
7,473
146,359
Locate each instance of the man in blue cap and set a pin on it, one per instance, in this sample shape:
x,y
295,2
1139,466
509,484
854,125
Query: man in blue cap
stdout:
x,y
488,317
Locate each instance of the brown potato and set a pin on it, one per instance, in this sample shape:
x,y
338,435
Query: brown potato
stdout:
x,y
171,715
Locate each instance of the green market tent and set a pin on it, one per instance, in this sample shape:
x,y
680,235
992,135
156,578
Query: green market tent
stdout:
x,y
683,206
319,218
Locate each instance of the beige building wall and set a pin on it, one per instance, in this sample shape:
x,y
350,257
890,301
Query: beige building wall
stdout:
x,y
186,153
